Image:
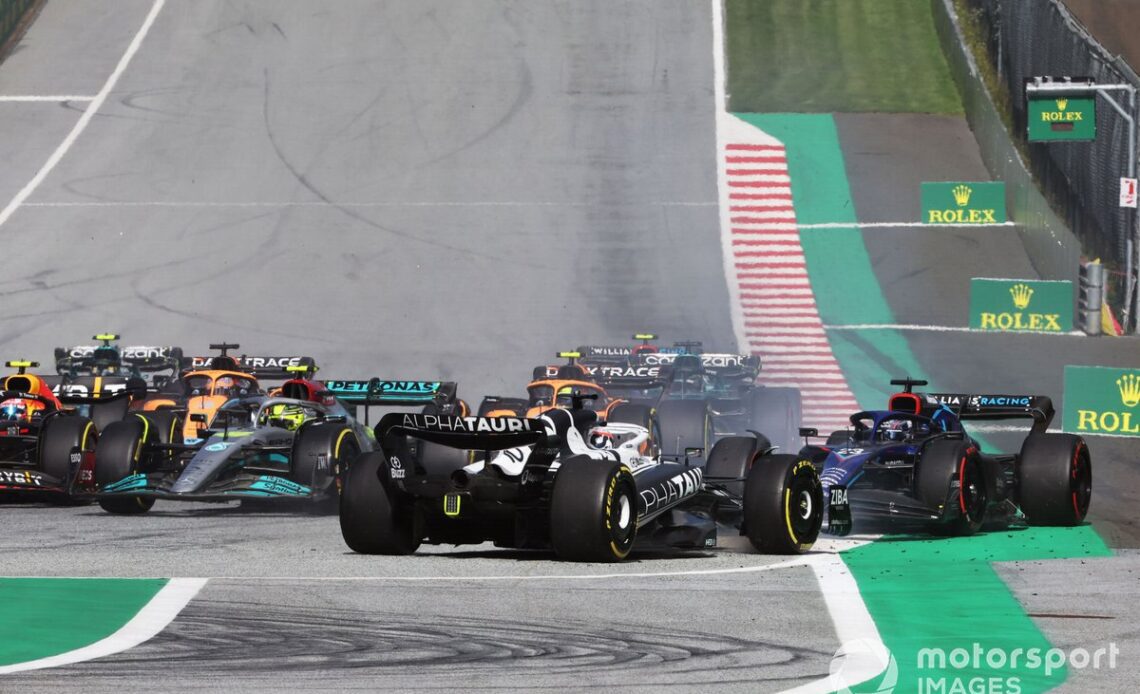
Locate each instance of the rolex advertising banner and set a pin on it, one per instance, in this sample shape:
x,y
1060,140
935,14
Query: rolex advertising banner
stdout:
x,y
963,203
1102,400
1033,305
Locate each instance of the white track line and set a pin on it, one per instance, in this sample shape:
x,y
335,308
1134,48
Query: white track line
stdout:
x,y
49,99
88,113
949,329
150,620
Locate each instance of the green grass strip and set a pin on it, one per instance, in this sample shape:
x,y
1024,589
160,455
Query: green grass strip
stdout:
x,y
47,616
824,56
944,594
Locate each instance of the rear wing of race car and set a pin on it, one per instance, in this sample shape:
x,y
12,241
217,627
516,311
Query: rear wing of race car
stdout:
x,y
968,406
720,365
604,354
147,359
264,367
464,433
378,393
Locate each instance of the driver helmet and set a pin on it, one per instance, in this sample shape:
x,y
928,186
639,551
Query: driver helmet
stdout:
x,y
223,385
564,393
896,430
14,410
284,416
602,439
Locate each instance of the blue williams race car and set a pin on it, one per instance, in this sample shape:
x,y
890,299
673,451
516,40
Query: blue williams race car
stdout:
x,y
914,467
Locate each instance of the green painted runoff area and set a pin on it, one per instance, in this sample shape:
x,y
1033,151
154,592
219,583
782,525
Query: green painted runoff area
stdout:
x,y
824,56
47,616
943,593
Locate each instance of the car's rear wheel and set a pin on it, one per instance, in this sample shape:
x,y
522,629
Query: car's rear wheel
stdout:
x,y
593,510
731,458
372,521
783,504
62,438
117,457
1055,479
684,424
776,413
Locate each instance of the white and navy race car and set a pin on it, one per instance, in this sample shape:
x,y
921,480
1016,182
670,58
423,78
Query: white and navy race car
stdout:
x,y
587,488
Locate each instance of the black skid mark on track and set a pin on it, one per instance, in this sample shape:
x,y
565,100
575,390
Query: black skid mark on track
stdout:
x,y
348,211
238,639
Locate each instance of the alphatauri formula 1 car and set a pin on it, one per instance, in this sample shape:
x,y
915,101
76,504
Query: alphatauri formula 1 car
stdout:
x,y
913,466
569,481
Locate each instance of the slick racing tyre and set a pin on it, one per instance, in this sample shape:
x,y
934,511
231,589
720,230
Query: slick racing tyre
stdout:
x,y
61,437
950,481
1055,478
732,457
684,424
321,452
776,413
593,510
372,520
118,456
783,504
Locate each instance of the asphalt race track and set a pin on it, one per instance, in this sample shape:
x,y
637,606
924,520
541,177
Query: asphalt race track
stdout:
x,y
409,190
444,189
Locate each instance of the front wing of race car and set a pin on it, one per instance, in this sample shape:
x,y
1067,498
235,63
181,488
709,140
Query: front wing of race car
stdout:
x,y
245,485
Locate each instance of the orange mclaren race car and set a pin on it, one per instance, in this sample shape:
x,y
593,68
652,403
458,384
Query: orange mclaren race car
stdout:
x,y
211,382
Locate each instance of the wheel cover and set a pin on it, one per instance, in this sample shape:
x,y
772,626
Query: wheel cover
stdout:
x,y
802,509
620,519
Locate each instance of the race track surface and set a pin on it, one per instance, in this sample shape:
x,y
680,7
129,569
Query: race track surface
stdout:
x,y
407,190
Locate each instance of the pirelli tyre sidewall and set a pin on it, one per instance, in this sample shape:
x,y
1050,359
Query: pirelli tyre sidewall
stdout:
x,y
62,437
372,518
950,480
119,455
321,452
1054,474
783,504
684,424
593,510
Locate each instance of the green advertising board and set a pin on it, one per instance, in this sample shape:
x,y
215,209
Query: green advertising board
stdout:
x,y
1102,400
959,202
1021,305
1062,118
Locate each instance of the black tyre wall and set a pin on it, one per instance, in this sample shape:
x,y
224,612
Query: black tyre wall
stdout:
x,y
1054,474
